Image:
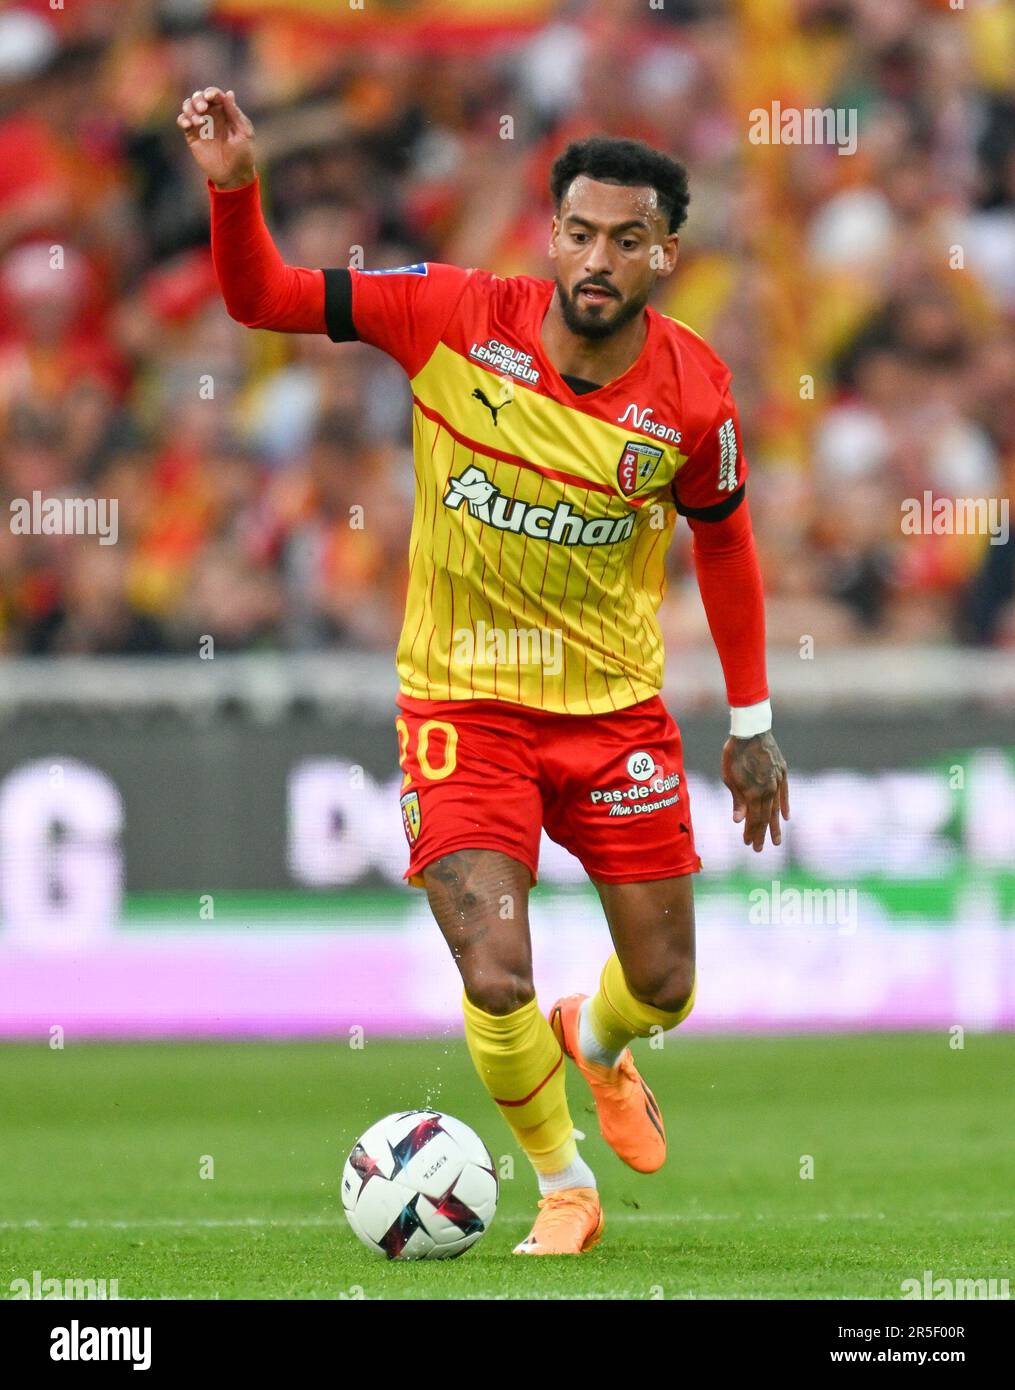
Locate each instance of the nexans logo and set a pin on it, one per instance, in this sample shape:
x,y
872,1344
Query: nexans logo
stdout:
x,y
560,525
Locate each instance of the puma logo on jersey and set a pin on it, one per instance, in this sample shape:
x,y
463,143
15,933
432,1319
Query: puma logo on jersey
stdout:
x,y
480,395
560,525
504,397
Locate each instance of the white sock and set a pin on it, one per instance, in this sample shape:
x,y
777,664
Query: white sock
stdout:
x,y
576,1174
591,1048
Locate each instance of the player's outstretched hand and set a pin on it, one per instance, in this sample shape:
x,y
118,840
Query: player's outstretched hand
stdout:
x,y
755,772
220,136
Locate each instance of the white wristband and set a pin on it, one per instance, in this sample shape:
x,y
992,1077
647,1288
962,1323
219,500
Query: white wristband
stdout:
x,y
748,720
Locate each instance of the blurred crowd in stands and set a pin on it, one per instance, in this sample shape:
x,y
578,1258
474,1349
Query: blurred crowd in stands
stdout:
x,y
865,301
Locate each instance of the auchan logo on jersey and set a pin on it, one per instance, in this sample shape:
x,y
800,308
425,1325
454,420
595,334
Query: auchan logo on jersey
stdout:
x,y
559,525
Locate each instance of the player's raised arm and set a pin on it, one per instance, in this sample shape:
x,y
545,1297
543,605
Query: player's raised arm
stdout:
x,y
710,493
259,289
220,137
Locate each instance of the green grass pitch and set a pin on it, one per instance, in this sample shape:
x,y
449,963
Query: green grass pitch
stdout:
x,y
101,1148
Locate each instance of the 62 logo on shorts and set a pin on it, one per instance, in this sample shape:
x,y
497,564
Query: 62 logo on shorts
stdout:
x,y
648,780
641,766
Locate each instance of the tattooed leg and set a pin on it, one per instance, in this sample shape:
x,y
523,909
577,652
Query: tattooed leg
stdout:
x,y
480,900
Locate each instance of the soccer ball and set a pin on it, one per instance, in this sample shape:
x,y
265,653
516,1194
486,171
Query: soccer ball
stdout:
x,y
419,1186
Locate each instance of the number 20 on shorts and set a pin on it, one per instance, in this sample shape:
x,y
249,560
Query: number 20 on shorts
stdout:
x,y
449,737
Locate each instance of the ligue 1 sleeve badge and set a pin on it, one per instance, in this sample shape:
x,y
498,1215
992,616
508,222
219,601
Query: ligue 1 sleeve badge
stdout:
x,y
411,815
637,464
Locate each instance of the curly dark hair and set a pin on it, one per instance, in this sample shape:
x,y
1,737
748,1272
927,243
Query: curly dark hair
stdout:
x,y
629,162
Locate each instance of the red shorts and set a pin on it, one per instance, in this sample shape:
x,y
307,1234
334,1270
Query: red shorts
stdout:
x,y
483,774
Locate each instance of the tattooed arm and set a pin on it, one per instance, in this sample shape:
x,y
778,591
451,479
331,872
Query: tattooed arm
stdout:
x,y
729,579
755,772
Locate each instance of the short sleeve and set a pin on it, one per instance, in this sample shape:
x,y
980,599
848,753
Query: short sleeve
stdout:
x,y
710,485
403,311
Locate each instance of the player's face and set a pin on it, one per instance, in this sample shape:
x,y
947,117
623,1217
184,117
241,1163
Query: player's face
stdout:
x,y
610,244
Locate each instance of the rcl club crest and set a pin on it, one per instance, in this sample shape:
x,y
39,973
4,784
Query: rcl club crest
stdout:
x,y
412,817
637,464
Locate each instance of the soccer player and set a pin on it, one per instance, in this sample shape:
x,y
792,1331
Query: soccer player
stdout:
x,y
560,426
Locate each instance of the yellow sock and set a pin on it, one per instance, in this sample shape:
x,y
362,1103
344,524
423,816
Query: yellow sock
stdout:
x,y
521,1065
616,1016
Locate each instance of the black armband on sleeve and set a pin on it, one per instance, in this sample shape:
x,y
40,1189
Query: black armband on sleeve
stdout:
x,y
719,511
338,306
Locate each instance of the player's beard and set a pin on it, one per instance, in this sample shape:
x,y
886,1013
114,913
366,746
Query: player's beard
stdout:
x,y
586,325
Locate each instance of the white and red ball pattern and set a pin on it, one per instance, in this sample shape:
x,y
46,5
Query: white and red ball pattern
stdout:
x,y
419,1185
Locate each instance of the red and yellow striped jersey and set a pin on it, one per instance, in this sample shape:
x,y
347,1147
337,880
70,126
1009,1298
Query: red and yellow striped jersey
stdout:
x,y
542,516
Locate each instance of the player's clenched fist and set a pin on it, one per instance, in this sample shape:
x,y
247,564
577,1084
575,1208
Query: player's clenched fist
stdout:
x,y
220,136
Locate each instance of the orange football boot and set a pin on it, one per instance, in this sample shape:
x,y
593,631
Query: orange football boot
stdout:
x,y
569,1223
629,1116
